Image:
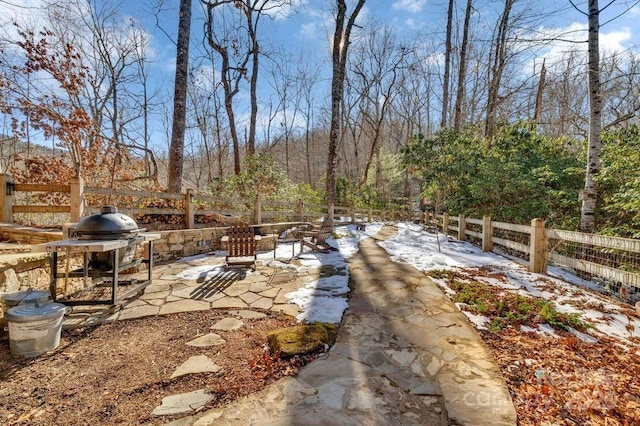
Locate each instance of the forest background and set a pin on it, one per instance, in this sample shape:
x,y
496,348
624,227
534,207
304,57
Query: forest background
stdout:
x,y
478,107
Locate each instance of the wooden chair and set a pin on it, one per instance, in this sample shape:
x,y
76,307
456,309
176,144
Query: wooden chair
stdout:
x,y
241,246
316,239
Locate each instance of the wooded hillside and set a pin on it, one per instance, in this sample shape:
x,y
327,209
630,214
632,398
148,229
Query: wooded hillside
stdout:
x,y
483,108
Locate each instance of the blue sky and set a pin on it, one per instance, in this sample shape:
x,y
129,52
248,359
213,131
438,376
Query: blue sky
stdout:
x,y
309,23
307,27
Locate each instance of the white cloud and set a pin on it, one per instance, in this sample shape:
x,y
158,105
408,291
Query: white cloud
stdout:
x,y
283,9
26,13
573,39
614,42
413,6
310,30
412,24
19,10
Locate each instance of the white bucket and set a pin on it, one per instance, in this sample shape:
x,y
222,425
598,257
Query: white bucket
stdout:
x,y
34,329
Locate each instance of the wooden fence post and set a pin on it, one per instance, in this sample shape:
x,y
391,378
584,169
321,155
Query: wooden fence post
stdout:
x,y
537,247
353,215
257,210
76,187
445,223
462,227
370,214
6,198
487,234
189,213
300,210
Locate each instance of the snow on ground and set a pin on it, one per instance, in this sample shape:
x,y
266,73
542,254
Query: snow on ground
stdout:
x,y
325,299
430,251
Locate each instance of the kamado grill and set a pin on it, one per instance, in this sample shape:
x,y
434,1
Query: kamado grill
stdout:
x,y
108,242
109,225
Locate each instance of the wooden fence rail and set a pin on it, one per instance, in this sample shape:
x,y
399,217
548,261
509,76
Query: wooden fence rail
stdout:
x,y
190,206
614,260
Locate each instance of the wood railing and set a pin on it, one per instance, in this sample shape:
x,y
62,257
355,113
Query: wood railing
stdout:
x,y
613,261
193,209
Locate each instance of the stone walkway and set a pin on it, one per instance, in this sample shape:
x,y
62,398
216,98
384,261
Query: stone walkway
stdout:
x,y
404,354
201,283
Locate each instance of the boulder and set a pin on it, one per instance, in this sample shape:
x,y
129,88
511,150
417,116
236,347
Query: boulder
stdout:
x,y
302,339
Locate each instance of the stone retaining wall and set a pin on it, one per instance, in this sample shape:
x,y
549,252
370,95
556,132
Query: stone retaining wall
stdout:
x,y
20,271
180,243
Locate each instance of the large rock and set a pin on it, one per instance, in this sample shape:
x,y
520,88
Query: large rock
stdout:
x,y
302,339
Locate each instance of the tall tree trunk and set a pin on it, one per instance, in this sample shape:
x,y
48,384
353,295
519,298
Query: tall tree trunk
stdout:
x,y
252,28
462,69
497,63
447,68
590,193
228,106
541,83
339,58
176,150
307,143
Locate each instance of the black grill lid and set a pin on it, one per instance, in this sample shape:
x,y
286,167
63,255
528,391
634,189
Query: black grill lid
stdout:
x,y
108,224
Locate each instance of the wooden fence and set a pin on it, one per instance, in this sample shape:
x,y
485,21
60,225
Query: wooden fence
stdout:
x,y
613,261
193,210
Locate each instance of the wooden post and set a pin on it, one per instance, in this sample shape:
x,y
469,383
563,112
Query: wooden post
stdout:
x,y
462,227
353,215
76,186
445,223
6,198
189,211
257,210
300,210
537,248
370,214
487,234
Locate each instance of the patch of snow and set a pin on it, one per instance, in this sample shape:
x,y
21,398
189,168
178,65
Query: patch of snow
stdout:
x,y
321,300
583,336
546,329
479,321
566,292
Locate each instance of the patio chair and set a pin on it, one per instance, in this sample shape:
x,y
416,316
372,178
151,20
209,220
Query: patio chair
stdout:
x,y
241,246
316,239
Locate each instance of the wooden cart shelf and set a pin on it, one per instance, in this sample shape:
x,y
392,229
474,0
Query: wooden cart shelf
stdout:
x,y
87,247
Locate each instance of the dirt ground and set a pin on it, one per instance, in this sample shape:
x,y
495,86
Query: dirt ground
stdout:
x,y
118,373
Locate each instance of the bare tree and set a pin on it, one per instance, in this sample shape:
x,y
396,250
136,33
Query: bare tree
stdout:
x,y
462,68
590,193
176,150
447,67
234,36
340,48
376,68
307,79
497,63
